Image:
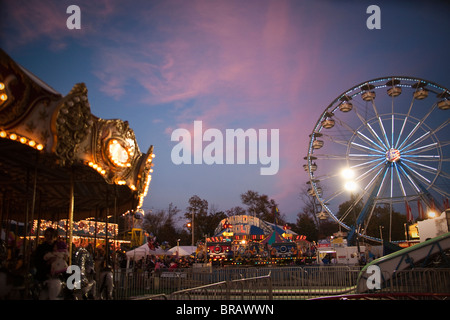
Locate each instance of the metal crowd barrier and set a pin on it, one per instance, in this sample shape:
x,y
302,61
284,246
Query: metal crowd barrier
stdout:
x,y
419,280
305,282
257,288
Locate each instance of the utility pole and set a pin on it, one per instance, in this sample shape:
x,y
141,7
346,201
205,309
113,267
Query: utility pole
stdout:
x,y
192,223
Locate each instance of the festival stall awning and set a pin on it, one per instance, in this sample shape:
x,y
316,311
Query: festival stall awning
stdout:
x,y
182,250
57,157
144,251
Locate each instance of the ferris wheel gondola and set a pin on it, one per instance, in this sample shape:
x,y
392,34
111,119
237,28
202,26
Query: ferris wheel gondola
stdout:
x,y
391,134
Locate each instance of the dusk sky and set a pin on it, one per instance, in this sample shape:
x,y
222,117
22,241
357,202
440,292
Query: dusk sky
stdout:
x,y
161,65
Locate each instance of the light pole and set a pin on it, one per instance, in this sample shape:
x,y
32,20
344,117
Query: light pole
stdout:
x,y
192,225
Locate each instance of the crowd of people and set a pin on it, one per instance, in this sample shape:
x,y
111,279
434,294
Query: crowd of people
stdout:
x,y
48,261
152,263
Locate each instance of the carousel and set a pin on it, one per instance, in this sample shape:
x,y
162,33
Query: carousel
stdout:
x,y
58,161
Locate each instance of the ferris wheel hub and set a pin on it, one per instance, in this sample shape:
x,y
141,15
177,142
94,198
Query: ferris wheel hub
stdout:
x,y
392,155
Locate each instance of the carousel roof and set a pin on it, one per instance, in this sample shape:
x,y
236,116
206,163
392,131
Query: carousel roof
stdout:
x,y
52,146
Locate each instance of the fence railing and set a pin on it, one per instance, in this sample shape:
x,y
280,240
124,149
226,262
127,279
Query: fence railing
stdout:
x,y
257,288
305,282
418,281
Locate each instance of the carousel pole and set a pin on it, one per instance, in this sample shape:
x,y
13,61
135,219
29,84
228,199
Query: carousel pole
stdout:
x,y
3,210
33,209
29,249
106,225
115,238
8,220
71,208
25,224
95,232
38,225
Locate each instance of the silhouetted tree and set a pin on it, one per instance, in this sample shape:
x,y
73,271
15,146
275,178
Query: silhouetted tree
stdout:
x,y
262,207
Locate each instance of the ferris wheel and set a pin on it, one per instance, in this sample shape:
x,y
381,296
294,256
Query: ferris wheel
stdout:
x,y
384,142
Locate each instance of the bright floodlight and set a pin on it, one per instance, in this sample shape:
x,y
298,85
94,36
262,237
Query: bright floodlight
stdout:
x,y
431,214
350,186
348,173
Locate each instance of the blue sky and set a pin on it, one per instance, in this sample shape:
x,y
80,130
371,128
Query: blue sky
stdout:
x,y
161,65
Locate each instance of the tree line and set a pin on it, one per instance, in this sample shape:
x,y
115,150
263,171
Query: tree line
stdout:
x,y
164,224
171,224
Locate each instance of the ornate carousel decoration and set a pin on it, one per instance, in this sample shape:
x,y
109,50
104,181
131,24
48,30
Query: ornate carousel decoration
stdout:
x,y
65,132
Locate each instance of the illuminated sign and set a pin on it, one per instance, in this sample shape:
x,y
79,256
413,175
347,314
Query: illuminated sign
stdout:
x,y
228,234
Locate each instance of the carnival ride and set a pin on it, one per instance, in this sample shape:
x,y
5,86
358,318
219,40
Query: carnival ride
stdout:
x,y
433,253
247,240
57,157
383,141
228,252
59,161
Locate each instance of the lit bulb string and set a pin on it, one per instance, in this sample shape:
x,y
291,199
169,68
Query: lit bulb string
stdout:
x,y
22,139
83,228
12,135
147,181
96,167
3,95
114,157
145,188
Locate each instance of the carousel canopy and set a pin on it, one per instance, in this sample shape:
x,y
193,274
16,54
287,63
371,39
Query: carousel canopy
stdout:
x,y
54,153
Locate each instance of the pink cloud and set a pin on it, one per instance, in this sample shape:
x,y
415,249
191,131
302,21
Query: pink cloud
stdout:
x,y
32,20
238,67
216,49
236,60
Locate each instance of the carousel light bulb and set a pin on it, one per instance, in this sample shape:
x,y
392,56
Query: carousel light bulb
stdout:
x,y
2,86
13,136
3,97
23,140
32,143
3,134
39,147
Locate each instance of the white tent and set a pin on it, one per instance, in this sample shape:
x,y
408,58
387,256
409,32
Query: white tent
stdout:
x,y
182,250
143,251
